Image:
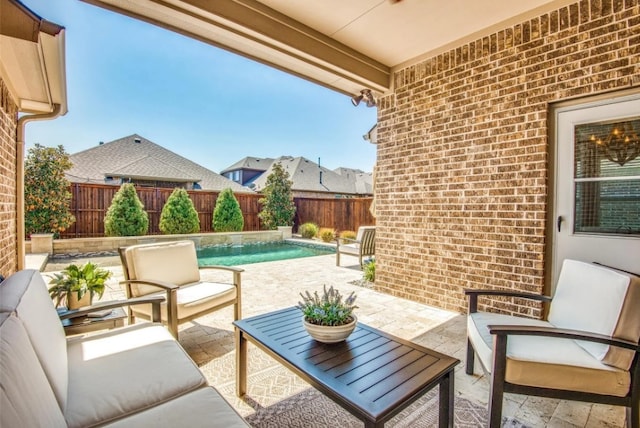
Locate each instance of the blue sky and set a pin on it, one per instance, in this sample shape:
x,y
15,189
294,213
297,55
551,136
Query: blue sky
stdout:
x,y
125,76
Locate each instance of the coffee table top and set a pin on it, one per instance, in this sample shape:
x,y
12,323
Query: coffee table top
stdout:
x,y
372,372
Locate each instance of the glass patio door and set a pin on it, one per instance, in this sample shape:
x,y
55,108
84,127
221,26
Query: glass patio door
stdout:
x,y
597,203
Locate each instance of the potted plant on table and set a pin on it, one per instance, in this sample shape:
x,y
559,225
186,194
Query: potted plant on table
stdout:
x,y
78,284
328,318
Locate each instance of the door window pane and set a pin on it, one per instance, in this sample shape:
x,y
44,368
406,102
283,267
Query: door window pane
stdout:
x,y
607,177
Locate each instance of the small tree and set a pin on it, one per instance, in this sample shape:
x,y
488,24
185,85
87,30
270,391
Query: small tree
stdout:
x,y
227,215
179,215
46,190
126,215
278,208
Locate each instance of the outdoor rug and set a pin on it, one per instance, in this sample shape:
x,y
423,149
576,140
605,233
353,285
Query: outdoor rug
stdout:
x,y
277,398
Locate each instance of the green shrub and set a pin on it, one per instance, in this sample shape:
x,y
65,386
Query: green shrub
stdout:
x,y
179,216
46,191
278,208
369,271
308,230
126,215
227,215
347,234
327,234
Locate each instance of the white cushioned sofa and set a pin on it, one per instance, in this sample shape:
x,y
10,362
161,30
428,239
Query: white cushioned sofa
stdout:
x,y
132,376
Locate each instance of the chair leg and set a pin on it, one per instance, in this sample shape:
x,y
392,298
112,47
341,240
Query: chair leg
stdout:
x,y
496,394
633,416
337,258
471,354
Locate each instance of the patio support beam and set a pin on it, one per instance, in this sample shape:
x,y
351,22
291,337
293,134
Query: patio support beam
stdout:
x,y
251,29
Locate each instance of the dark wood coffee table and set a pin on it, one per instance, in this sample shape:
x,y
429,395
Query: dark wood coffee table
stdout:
x,y
373,375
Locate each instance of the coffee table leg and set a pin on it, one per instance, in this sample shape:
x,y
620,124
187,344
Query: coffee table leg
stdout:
x,y
241,363
445,417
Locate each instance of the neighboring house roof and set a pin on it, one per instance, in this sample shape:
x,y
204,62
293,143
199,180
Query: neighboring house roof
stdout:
x,y
137,157
363,180
256,164
310,177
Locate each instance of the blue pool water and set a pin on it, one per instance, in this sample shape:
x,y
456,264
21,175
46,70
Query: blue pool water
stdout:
x,y
256,253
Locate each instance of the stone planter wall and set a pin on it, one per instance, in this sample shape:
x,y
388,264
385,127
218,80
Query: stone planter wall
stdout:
x,y
111,244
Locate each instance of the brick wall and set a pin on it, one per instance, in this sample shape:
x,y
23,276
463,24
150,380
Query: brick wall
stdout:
x,y
463,151
8,122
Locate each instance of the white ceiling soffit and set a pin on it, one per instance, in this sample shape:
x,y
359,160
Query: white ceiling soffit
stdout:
x,y
32,59
346,45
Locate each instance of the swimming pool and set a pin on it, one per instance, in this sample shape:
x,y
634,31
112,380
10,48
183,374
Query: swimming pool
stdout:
x,y
257,253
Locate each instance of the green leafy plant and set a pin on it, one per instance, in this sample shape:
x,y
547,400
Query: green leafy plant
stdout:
x,y
278,208
308,230
346,235
369,271
327,234
46,190
126,215
179,216
88,278
328,309
227,215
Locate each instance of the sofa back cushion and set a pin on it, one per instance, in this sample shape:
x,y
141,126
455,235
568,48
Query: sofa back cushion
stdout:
x,y
172,262
597,299
25,294
26,397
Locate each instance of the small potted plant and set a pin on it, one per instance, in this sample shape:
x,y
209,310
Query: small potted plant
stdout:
x,y
328,318
78,284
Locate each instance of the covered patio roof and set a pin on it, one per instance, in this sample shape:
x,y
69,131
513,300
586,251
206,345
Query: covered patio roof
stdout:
x,y
33,59
344,45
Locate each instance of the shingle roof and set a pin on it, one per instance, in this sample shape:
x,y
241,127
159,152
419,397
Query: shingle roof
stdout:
x,y
256,164
309,176
138,157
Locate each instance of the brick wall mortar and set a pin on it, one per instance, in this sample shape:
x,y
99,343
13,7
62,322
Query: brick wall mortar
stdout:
x,y
8,231
463,151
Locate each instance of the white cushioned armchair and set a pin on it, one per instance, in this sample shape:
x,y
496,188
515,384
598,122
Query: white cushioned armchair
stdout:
x,y
171,269
586,349
363,246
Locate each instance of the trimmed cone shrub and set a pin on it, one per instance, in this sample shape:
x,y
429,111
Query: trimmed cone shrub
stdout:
x,y
278,208
126,215
227,215
179,216
46,191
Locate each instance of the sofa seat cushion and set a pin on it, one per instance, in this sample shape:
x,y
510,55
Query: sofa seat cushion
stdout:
x,y
26,397
123,371
194,298
544,361
202,408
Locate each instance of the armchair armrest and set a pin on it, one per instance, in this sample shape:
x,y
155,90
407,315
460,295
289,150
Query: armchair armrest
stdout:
x,y
154,300
227,268
473,296
526,330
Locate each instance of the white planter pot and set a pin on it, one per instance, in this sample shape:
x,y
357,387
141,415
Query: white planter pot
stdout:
x,y
330,334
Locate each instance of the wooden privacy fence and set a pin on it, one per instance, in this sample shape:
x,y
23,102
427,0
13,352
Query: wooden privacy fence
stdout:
x,y
89,204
